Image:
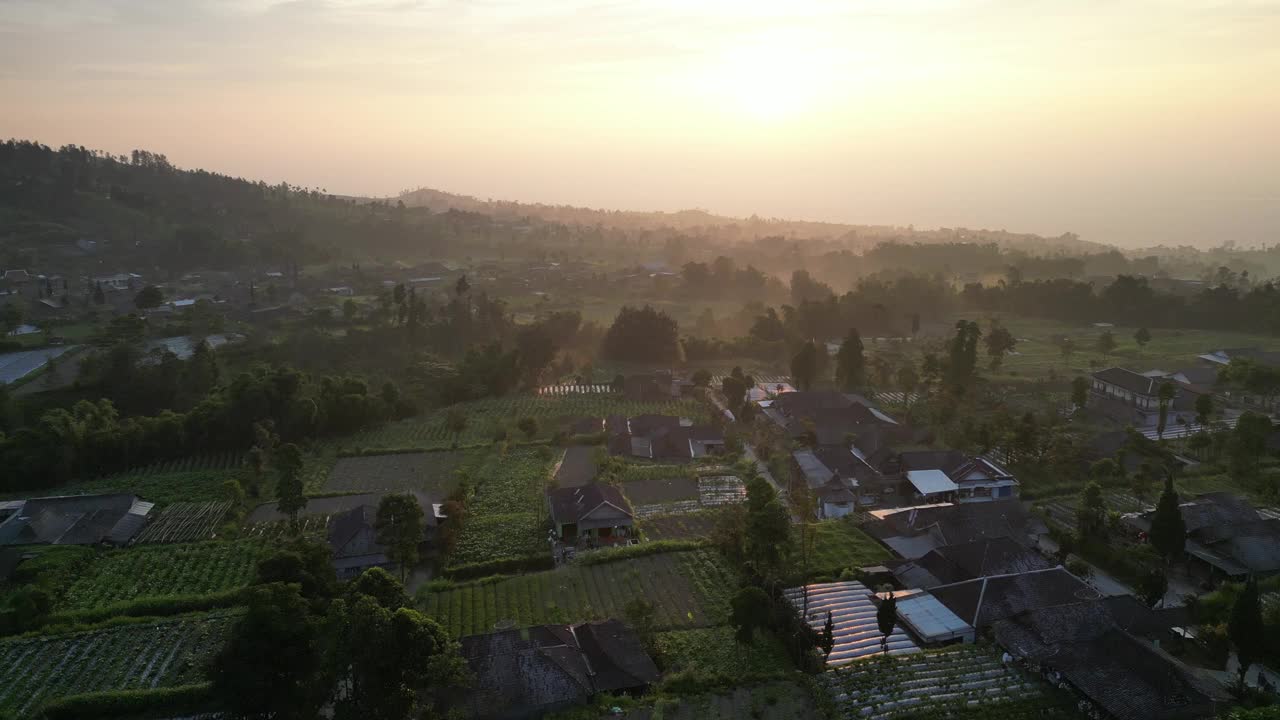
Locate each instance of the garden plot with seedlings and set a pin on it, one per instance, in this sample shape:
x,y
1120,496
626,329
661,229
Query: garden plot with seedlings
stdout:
x,y
138,656
162,571
434,473
963,681
857,633
679,526
313,526
184,522
687,589
716,490
486,417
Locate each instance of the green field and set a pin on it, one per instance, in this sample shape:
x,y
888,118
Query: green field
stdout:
x,y
485,417
679,526
128,657
163,570
687,589
717,650
1169,350
839,544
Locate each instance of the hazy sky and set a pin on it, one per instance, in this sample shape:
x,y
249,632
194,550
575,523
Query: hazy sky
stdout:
x,y
1126,121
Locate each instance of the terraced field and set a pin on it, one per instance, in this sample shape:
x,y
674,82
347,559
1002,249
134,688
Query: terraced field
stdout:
x,y
159,570
964,682
161,488
128,657
484,417
688,589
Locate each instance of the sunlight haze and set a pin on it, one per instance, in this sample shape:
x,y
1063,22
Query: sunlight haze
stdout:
x,y
1135,122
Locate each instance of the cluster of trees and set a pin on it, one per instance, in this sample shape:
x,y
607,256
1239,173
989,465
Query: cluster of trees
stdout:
x,y
307,643
1132,300
93,438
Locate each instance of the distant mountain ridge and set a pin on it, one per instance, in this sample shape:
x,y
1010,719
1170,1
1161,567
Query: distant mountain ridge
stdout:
x,y
696,221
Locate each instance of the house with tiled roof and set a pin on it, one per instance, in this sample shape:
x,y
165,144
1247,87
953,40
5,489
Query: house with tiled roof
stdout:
x,y
595,512
529,672
74,520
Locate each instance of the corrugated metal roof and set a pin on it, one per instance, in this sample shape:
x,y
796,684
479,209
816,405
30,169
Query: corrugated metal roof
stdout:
x,y
928,482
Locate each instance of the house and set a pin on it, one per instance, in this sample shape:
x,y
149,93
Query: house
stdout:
x,y
1081,644
1226,355
984,601
831,417
914,532
970,478
118,281
592,513
75,520
1226,536
662,437
834,475
1134,398
966,561
353,537
526,673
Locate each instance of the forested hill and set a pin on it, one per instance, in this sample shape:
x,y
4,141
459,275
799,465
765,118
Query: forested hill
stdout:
x,y
730,229
73,208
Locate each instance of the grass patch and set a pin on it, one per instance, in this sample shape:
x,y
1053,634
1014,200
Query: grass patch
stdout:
x,y
716,650
839,544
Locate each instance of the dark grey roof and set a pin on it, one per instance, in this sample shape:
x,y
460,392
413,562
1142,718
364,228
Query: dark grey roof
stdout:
x,y
649,424
966,561
801,402
528,671
76,520
568,505
345,526
1128,678
983,601
963,523
1130,380
578,466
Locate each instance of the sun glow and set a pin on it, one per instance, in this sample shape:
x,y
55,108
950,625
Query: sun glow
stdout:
x,y
773,82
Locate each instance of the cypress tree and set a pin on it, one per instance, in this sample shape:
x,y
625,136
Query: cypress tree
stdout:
x,y
1168,529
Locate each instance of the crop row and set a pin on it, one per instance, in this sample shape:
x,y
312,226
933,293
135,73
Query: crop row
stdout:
x,y
681,587
164,570
431,472
160,488
127,657
485,417
226,460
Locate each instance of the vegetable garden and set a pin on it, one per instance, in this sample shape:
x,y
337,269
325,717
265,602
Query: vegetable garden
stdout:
x,y
839,544
679,526
161,488
717,650
687,589
126,657
163,570
507,511
485,416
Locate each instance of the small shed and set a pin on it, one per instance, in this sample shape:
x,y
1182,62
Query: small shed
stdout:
x,y
929,621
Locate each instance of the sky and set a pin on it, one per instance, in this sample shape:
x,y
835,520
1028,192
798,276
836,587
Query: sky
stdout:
x,y
1132,122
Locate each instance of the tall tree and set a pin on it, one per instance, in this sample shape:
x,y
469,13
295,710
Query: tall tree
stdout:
x,y
399,529
148,297
1092,515
1166,393
749,609
1142,337
999,342
851,366
804,366
1245,628
828,636
1153,586
1204,410
886,618
1079,391
642,335
1106,342
271,666
1168,529
290,495
768,540
962,356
